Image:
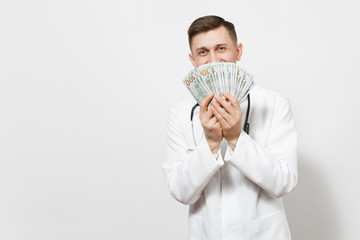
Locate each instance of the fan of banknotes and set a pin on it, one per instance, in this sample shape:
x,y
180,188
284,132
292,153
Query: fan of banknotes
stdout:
x,y
218,77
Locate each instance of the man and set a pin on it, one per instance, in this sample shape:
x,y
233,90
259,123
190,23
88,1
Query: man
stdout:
x,y
233,181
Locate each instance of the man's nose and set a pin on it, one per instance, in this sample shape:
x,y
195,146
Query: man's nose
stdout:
x,y
213,57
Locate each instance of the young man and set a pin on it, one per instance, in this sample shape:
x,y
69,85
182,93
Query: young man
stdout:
x,y
233,181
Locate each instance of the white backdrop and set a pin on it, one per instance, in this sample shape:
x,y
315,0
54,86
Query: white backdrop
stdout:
x,y
85,90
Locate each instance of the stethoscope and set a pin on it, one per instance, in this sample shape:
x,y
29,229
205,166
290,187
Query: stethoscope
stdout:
x,y
246,125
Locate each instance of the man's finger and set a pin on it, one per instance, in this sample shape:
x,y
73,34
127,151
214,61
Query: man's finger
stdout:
x,y
220,119
207,115
220,110
231,99
212,121
226,105
205,102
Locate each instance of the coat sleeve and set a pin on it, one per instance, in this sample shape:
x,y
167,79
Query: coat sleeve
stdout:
x,y
273,168
187,172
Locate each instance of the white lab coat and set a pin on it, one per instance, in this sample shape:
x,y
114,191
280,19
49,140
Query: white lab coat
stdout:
x,y
237,196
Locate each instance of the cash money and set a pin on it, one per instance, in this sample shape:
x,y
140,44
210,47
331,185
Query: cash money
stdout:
x,y
218,77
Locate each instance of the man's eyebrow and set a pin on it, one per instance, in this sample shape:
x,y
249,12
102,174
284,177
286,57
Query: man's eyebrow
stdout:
x,y
217,45
201,48
221,45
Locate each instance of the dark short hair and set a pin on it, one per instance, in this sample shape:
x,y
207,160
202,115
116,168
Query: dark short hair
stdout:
x,y
207,23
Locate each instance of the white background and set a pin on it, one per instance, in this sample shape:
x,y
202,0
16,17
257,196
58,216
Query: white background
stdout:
x,y
85,90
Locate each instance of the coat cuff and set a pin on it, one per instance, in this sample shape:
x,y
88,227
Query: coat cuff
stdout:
x,y
240,148
212,160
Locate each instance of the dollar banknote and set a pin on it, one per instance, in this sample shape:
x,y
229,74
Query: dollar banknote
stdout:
x,y
218,77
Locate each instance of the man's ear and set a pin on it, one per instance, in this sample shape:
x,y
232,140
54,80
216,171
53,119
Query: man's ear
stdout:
x,y
239,51
192,60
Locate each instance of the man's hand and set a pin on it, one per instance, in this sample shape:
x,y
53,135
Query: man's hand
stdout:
x,y
228,113
212,127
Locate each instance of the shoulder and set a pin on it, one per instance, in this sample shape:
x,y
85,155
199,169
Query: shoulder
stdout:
x,y
269,102
262,96
266,94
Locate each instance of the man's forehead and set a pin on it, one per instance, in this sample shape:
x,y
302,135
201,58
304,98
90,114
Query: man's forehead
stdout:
x,y
211,38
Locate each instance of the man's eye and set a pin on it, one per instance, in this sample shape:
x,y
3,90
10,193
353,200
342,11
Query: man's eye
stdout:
x,y
203,52
221,49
